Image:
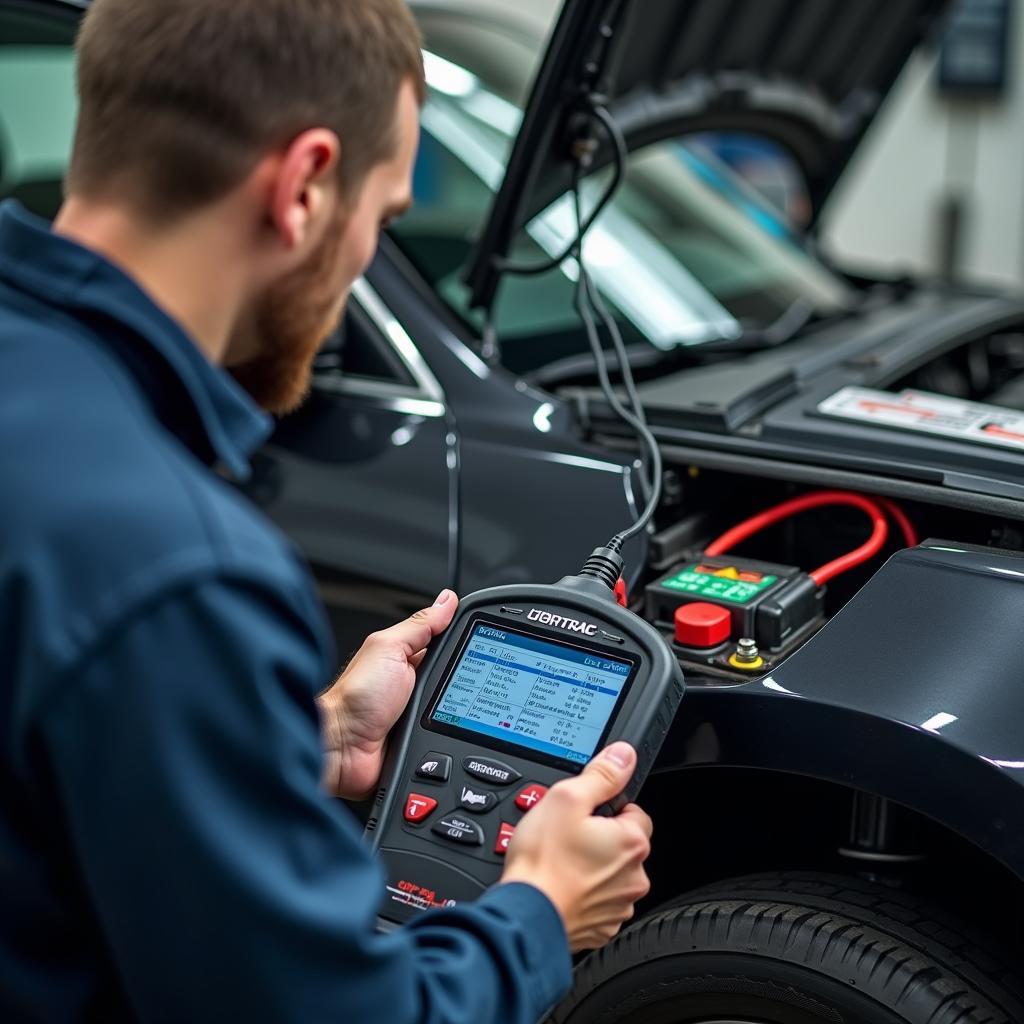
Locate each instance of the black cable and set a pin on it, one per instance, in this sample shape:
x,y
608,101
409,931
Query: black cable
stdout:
x,y
634,417
587,302
652,464
640,428
648,475
612,327
506,266
621,156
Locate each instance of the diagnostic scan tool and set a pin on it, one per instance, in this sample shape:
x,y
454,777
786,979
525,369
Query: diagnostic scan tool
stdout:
x,y
528,682
525,686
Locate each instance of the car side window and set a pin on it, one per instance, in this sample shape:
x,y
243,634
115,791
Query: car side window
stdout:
x,y
356,351
534,316
37,106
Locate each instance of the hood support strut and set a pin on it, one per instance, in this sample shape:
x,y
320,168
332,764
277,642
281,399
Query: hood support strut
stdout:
x,y
580,54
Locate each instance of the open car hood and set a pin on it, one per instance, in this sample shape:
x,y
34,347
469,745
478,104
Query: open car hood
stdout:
x,y
809,74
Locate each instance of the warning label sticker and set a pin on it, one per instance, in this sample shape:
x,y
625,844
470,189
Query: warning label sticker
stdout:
x,y
410,894
925,413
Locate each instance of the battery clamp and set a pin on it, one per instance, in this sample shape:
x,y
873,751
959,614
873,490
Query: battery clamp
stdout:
x,y
523,688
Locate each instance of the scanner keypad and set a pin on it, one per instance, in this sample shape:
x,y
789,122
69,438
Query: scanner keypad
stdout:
x,y
469,797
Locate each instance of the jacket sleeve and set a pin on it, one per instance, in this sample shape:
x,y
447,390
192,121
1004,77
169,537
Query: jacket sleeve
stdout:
x,y
186,758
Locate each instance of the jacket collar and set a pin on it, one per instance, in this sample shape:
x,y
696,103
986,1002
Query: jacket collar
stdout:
x,y
61,273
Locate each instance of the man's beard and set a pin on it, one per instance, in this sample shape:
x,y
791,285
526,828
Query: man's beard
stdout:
x,y
291,322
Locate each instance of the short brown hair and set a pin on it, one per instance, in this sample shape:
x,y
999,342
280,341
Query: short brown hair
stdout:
x,y
178,99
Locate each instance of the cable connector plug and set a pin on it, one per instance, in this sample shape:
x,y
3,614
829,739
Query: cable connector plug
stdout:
x,y
604,564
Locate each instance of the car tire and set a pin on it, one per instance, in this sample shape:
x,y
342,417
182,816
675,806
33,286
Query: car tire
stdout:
x,y
793,949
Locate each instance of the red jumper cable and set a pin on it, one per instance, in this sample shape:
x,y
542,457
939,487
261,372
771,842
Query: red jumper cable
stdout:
x,y
817,499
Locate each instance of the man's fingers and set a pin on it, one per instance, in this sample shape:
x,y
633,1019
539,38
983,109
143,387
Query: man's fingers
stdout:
x,y
415,632
605,776
636,814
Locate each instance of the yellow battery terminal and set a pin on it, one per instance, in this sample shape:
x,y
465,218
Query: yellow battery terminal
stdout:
x,y
746,666
746,657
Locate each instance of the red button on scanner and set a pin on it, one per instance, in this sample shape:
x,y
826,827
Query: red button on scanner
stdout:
x,y
418,807
701,624
504,837
530,796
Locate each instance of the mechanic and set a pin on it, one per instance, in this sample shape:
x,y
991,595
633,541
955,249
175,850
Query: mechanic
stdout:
x,y
168,848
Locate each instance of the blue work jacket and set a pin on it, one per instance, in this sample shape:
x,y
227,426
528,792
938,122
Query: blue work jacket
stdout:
x,y
167,852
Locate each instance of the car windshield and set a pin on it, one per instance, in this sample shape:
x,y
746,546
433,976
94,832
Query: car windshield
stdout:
x,y
685,253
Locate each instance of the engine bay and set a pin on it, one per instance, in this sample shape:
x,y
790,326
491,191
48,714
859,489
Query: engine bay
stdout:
x,y
793,474
748,569
775,403
987,369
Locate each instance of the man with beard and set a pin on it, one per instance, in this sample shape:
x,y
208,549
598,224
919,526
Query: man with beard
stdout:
x,y
170,848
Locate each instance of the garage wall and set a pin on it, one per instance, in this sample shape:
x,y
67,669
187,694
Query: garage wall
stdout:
x,y
923,149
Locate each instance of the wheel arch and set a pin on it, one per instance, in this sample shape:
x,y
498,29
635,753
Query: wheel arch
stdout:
x,y
768,781
911,692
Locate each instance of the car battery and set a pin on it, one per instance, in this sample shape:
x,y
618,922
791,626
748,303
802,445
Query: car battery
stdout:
x,y
711,602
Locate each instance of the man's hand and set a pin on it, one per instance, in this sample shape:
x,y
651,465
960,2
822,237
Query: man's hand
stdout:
x,y
359,710
591,868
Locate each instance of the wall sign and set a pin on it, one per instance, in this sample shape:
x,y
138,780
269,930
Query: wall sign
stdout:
x,y
974,57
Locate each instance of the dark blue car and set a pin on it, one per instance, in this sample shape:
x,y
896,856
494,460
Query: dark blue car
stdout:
x,y
836,553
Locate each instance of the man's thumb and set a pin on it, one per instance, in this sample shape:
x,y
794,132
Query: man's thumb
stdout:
x,y
421,627
441,612
606,775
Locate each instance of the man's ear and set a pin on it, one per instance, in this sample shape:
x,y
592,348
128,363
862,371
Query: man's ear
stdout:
x,y
304,186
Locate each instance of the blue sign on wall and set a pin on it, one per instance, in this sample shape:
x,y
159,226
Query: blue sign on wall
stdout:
x,y
975,49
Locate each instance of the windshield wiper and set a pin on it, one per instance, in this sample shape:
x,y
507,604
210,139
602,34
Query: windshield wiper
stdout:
x,y
640,357
793,322
798,315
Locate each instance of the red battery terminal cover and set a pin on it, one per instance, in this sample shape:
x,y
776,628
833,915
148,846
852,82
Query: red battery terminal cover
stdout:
x,y
702,624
